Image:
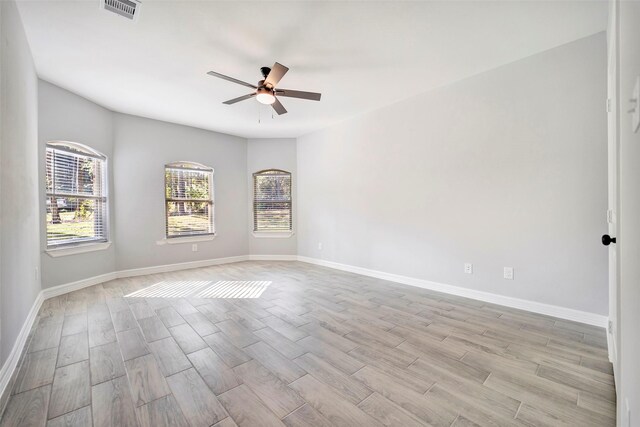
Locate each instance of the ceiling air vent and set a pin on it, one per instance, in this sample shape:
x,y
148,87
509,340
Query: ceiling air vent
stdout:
x,y
130,9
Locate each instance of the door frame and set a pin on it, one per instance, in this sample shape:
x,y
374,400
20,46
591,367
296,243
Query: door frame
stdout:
x,y
613,330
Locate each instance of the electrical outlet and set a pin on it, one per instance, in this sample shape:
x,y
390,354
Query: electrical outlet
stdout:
x,y
468,268
194,247
508,273
319,246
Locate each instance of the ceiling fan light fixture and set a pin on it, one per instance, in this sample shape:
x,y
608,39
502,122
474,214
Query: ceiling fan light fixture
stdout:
x,y
265,96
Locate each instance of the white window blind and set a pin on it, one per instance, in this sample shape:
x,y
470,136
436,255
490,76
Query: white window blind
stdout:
x,y
189,199
76,195
272,200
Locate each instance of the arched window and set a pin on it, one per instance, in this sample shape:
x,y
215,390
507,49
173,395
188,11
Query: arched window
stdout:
x,y
272,200
188,199
76,192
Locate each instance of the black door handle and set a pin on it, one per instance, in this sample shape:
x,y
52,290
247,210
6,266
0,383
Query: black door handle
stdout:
x,y
607,240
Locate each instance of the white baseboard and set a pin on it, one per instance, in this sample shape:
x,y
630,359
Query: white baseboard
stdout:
x,y
521,304
55,291
179,266
10,365
273,257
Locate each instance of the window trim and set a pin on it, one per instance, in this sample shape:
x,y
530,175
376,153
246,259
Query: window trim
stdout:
x,y
273,233
193,166
82,245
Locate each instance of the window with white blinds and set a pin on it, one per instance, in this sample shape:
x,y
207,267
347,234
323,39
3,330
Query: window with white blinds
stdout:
x,y
188,199
76,195
272,200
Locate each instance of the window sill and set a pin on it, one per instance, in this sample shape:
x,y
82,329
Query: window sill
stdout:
x,y
188,239
77,249
273,234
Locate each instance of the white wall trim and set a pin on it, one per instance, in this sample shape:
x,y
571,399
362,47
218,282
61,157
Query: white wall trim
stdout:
x,y
273,257
10,365
532,306
179,266
74,286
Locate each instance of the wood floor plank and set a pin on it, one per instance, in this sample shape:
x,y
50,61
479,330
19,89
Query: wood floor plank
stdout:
x,y
153,329
345,385
282,367
46,336
229,353
146,380
170,317
106,363
71,389
74,324
246,409
132,344
28,408
215,373
280,343
237,334
37,370
388,413
338,411
100,326
201,324
188,340
327,352
73,348
161,412
410,400
112,404
123,320
284,328
306,416
78,418
169,356
274,393
197,401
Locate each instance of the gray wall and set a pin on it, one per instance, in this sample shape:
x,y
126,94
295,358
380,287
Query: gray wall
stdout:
x,y
68,117
142,148
628,376
272,154
19,179
507,168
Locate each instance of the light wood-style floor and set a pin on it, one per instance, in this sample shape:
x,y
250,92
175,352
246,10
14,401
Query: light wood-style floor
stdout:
x,y
318,347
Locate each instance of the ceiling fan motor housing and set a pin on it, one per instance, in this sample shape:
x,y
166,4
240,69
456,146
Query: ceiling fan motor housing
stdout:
x,y
265,71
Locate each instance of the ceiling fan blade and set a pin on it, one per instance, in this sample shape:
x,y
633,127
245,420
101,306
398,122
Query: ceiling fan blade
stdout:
x,y
313,96
279,107
277,72
231,79
238,99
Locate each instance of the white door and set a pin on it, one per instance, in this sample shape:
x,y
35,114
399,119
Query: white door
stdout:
x,y
628,215
613,153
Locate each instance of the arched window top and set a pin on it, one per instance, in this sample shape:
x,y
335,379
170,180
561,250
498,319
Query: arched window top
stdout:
x,y
188,165
76,148
272,172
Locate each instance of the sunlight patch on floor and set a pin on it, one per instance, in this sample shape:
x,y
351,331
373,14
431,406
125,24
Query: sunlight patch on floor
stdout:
x,y
170,289
234,289
203,289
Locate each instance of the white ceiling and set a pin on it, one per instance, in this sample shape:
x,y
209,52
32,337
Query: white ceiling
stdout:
x,y
360,55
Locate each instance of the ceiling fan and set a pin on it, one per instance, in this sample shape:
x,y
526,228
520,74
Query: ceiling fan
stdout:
x,y
266,91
